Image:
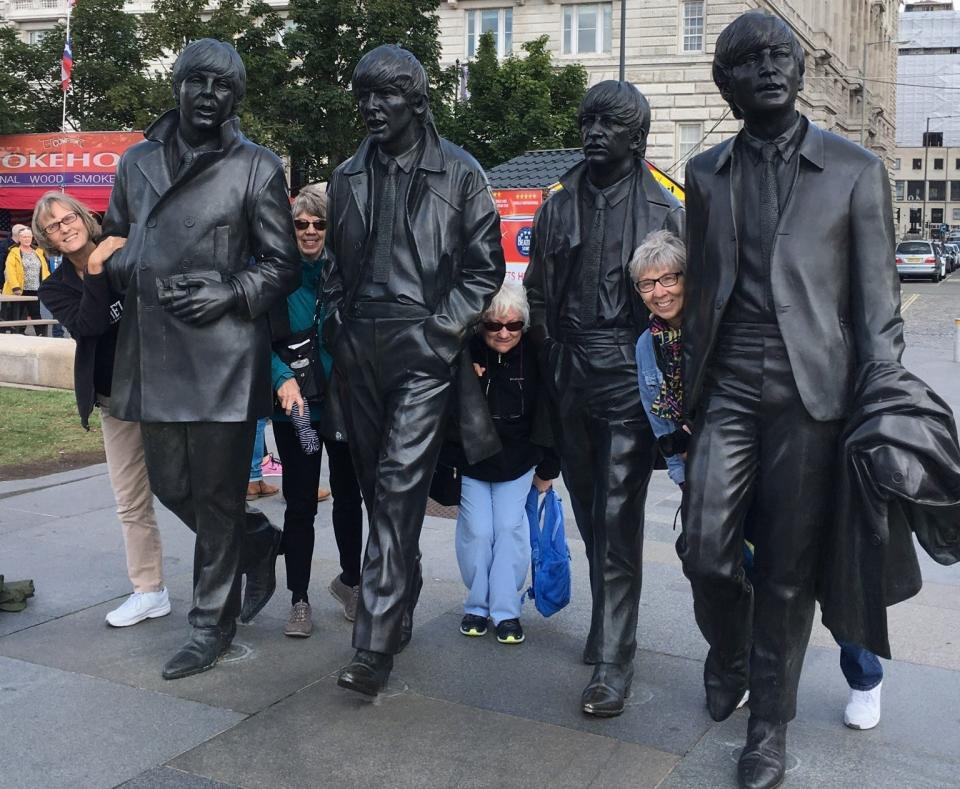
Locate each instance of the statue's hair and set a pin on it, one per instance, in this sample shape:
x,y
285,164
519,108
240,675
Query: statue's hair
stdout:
x,y
391,66
624,102
750,32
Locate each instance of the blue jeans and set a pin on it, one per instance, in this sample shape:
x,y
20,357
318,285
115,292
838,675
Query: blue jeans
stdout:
x,y
493,545
860,666
259,450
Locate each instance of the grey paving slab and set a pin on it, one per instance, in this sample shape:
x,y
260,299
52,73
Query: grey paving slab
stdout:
x,y
543,678
817,757
69,498
169,778
326,736
12,520
66,730
262,667
20,485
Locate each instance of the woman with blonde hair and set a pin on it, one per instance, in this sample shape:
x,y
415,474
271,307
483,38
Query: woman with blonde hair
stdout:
x,y
78,295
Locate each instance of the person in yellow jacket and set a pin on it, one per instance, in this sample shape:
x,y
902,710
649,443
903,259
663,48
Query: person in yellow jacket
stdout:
x,y
25,269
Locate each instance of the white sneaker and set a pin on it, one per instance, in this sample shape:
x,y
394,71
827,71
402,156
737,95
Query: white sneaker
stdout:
x,y
863,708
140,606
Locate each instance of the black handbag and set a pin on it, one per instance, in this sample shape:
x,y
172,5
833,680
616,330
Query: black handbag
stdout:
x,y
445,485
301,353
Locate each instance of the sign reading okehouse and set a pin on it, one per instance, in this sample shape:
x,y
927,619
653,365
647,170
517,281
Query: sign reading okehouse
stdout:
x,y
517,208
82,164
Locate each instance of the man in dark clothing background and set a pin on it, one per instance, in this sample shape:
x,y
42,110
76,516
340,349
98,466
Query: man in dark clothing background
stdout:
x,y
415,259
586,316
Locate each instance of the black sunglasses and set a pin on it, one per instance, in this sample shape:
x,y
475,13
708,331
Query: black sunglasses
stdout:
x,y
303,224
495,326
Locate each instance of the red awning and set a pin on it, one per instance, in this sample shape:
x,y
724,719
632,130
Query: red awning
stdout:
x,y
81,164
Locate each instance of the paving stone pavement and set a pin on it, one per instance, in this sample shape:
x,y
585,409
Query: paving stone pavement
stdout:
x,y
83,705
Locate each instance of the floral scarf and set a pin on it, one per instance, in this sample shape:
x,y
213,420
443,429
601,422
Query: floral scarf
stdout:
x,y
667,344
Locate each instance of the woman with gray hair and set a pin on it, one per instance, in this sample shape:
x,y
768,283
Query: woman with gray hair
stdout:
x,y
492,535
657,268
300,366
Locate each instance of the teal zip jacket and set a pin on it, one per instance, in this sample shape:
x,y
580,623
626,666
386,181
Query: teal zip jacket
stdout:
x,y
302,309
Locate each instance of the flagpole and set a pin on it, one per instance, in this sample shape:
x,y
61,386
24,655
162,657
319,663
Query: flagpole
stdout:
x,y
66,88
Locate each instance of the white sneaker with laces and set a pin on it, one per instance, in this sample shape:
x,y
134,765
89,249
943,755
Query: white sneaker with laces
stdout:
x,y
140,606
863,708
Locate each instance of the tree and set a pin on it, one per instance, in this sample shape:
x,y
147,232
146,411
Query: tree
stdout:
x,y
326,40
518,104
25,87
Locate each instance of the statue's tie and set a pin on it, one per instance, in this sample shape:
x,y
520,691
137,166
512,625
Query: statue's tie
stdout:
x,y
769,201
590,284
382,250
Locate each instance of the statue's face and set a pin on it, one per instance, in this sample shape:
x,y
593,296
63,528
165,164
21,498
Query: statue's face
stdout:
x,y
206,100
765,80
387,114
605,140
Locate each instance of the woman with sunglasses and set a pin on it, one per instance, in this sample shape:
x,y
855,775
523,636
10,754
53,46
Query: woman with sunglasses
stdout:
x,y
492,535
78,295
301,470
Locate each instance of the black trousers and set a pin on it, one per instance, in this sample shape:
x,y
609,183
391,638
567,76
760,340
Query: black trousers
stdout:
x,y
199,471
397,393
759,465
607,451
301,477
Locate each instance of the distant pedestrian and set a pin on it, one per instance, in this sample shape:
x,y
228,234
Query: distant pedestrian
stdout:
x,y
26,267
78,295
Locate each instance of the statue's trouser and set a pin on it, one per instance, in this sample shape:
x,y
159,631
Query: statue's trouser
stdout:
x,y
759,465
397,393
199,472
607,451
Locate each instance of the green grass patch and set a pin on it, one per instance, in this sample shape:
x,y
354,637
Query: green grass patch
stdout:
x,y
41,429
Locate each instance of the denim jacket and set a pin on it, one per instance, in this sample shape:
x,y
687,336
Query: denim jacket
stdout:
x,y
650,380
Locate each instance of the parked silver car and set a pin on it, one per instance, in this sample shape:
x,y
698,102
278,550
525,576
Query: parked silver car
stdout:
x,y
920,259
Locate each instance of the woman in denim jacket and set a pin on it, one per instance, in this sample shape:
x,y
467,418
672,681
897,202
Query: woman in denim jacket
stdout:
x,y
657,269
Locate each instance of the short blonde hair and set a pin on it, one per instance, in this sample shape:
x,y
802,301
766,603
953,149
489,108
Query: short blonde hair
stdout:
x,y
511,296
659,249
71,204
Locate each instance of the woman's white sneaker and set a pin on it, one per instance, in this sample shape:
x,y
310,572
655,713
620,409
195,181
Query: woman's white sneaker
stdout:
x,y
140,606
863,708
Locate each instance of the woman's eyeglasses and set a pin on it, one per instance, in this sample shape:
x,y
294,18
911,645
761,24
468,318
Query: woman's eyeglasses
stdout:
x,y
303,224
495,326
66,219
667,280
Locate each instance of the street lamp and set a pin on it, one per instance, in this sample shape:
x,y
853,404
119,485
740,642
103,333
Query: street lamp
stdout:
x,y
926,156
863,84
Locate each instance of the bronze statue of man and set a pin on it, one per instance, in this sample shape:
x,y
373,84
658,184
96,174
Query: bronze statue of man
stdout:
x,y
414,245
210,246
790,291
587,317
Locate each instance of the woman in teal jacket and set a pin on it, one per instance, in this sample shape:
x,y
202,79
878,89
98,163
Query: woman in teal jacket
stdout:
x,y
301,471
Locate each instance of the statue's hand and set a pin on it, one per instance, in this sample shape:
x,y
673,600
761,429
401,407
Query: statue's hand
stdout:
x,y
201,302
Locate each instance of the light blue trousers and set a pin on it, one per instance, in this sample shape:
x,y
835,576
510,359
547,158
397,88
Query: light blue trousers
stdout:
x,y
259,450
493,545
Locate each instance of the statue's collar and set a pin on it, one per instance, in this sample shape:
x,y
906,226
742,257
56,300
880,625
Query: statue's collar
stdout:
x,y
164,129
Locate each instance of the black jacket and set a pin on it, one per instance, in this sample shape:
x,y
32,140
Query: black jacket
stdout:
x,y
230,206
513,397
899,477
836,296
456,244
91,311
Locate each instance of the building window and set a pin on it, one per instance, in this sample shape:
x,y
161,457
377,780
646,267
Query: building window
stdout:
x,y
34,37
915,190
691,39
498,21
938,190
956,164
936,216
586,29
955,191
938,164
956,214
896,164
917,164
688,139
901,187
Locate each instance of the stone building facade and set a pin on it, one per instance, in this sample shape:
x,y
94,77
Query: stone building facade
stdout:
x,y
669,49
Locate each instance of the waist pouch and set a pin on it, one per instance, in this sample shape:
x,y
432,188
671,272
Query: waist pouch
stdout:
x,y
301,353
